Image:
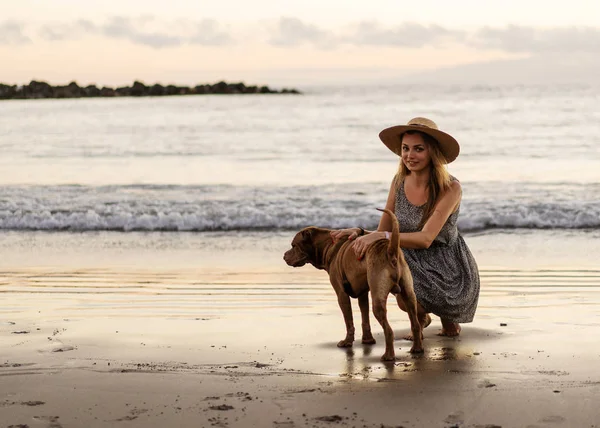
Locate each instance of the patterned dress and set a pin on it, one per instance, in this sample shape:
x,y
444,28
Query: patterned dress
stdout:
x,y
445,275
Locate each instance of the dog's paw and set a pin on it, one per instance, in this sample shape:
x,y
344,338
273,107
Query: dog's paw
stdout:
x,y
416,350
346,343
388,357
368,341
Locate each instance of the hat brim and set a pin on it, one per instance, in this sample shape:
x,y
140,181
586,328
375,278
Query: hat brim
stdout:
x,y
448,145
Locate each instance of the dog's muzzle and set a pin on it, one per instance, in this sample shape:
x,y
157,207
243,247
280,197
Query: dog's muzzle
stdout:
x,y
293,259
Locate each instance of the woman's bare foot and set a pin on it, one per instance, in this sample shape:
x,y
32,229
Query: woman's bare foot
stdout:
x,y
424,322
449,328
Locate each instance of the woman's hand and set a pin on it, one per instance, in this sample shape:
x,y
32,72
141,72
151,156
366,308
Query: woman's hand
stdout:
x,y
361,244
351,233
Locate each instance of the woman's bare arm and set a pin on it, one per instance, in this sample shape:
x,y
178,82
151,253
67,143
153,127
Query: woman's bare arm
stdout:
x,y
443,209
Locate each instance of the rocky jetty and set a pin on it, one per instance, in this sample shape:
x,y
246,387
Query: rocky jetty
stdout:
x,y
37,90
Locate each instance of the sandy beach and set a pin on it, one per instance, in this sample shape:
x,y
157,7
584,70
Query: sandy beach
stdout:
x,y
120,339
142,281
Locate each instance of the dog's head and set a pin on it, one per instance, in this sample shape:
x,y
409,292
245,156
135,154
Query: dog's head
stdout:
x,y
303,249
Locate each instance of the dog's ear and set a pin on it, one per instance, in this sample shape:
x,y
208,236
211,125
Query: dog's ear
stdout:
x,y
307,234
306,243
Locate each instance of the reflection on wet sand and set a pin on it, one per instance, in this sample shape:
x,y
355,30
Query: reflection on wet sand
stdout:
x,y
360,364
264,343
184,293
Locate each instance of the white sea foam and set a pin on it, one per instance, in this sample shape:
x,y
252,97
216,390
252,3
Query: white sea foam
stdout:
x,y
222,208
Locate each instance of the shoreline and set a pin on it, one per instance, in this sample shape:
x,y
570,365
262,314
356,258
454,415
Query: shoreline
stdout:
x,y
43,90
516,249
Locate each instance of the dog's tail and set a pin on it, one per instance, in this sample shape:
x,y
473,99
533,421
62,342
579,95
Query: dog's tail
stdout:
x,y
394,244
393,249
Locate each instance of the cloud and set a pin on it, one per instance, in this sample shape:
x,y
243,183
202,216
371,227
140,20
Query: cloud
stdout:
x,y
144,31
293,32
68,31
290,32
512,38
11,33
410,35
126,29
208,33
520,39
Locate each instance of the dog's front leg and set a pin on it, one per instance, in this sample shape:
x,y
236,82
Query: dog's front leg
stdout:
x,y
346,307
367,336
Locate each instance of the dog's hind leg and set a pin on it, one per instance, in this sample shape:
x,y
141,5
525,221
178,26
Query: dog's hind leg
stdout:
x,y
380,282
413,309
415,326
363,303
380,312
346,307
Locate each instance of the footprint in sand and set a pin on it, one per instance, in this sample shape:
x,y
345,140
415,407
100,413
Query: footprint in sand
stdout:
x,y
33,403
553,419
455,418
52,421
55,345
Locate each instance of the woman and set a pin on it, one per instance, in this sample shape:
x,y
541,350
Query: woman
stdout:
x,y
426,200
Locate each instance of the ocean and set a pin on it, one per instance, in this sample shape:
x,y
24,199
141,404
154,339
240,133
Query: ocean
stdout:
x,y
208,176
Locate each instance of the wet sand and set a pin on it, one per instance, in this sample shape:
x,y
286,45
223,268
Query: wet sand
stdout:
x,y
88,345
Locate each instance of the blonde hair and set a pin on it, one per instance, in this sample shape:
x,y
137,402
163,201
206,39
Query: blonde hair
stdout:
x,y
439,178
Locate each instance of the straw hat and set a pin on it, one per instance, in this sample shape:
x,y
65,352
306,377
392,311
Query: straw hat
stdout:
x,y
391,137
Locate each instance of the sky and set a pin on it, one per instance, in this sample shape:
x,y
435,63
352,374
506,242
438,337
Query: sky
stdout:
x,y
301,42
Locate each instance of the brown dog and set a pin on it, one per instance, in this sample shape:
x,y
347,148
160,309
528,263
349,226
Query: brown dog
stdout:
x,y
383,270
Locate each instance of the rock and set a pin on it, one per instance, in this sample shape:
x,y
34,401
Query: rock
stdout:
x,y
156,90
7,92
171,90
138,89
62,92
92,91
40,89
107,92
237,88
202,89
74,90
220,88
123,91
